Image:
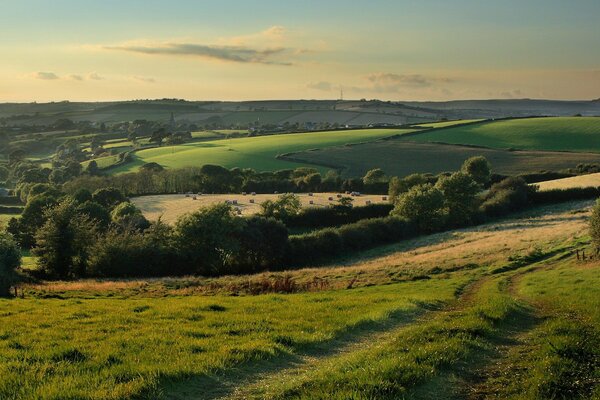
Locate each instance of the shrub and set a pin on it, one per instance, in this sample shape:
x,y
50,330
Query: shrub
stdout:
x,y
423,205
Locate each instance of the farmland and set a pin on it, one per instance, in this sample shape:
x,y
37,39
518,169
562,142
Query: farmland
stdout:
x,y
399,157
171,206
251,152
336,340
591,180
552,134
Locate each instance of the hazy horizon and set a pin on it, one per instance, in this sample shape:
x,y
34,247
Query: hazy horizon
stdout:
x,y
241,51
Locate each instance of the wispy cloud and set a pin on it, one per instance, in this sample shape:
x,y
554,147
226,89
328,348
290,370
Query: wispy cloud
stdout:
x,y
47,76
391,83
239,54
323,85
76,77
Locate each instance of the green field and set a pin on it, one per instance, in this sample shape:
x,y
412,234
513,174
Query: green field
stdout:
x,y
251,152
556,134
451,315
398,157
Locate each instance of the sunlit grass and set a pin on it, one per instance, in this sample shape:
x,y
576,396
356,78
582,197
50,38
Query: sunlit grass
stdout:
x,y
110,348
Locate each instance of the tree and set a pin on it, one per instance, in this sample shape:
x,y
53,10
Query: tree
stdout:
x,y
460,201
63,242
478,168
108,197
158,136
374,176
423,205
128,217
92,168
285,206
96,213
398,186
206,240
10,260
263,244
595,224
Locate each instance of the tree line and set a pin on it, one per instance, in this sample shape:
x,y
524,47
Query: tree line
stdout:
x,y
102,234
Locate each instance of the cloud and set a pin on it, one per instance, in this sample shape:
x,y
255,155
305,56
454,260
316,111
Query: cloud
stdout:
x,y
95,77
324,86
239,54
144,79
388,82
76,77
274,34
47,76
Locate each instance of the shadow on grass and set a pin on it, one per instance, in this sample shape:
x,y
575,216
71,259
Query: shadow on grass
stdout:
x,y
224,383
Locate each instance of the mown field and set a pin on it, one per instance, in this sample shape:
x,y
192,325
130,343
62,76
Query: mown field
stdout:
x,y
400,157
555,134
502,310
583,181
171,206
251,152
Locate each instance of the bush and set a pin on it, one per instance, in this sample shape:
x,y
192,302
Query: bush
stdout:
x,y
314,217
423,205
511,194
10,260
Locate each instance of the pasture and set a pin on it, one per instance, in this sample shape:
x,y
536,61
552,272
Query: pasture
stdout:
x,y
169,207
433,317
400,157
259,152
583,181
551,134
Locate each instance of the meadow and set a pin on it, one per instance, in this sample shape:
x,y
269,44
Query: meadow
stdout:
x,y
433,317
554,134
583,181
171,206
259,152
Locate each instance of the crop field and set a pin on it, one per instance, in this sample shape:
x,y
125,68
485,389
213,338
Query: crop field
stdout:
x,y
171,206
251,152
440,316
554,134
583,181
400,157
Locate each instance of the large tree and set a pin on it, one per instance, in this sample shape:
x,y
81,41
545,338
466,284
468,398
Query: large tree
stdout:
x,y
10,259
423,205
63,242
460,197
206,239
478,168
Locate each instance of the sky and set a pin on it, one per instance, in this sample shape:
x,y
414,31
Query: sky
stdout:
x,y
83,50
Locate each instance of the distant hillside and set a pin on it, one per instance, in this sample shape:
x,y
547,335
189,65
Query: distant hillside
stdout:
x,y
280,112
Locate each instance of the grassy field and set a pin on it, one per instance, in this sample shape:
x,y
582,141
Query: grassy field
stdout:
x,y
399,157
251,152
450,315
171,206
555,134
590,180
